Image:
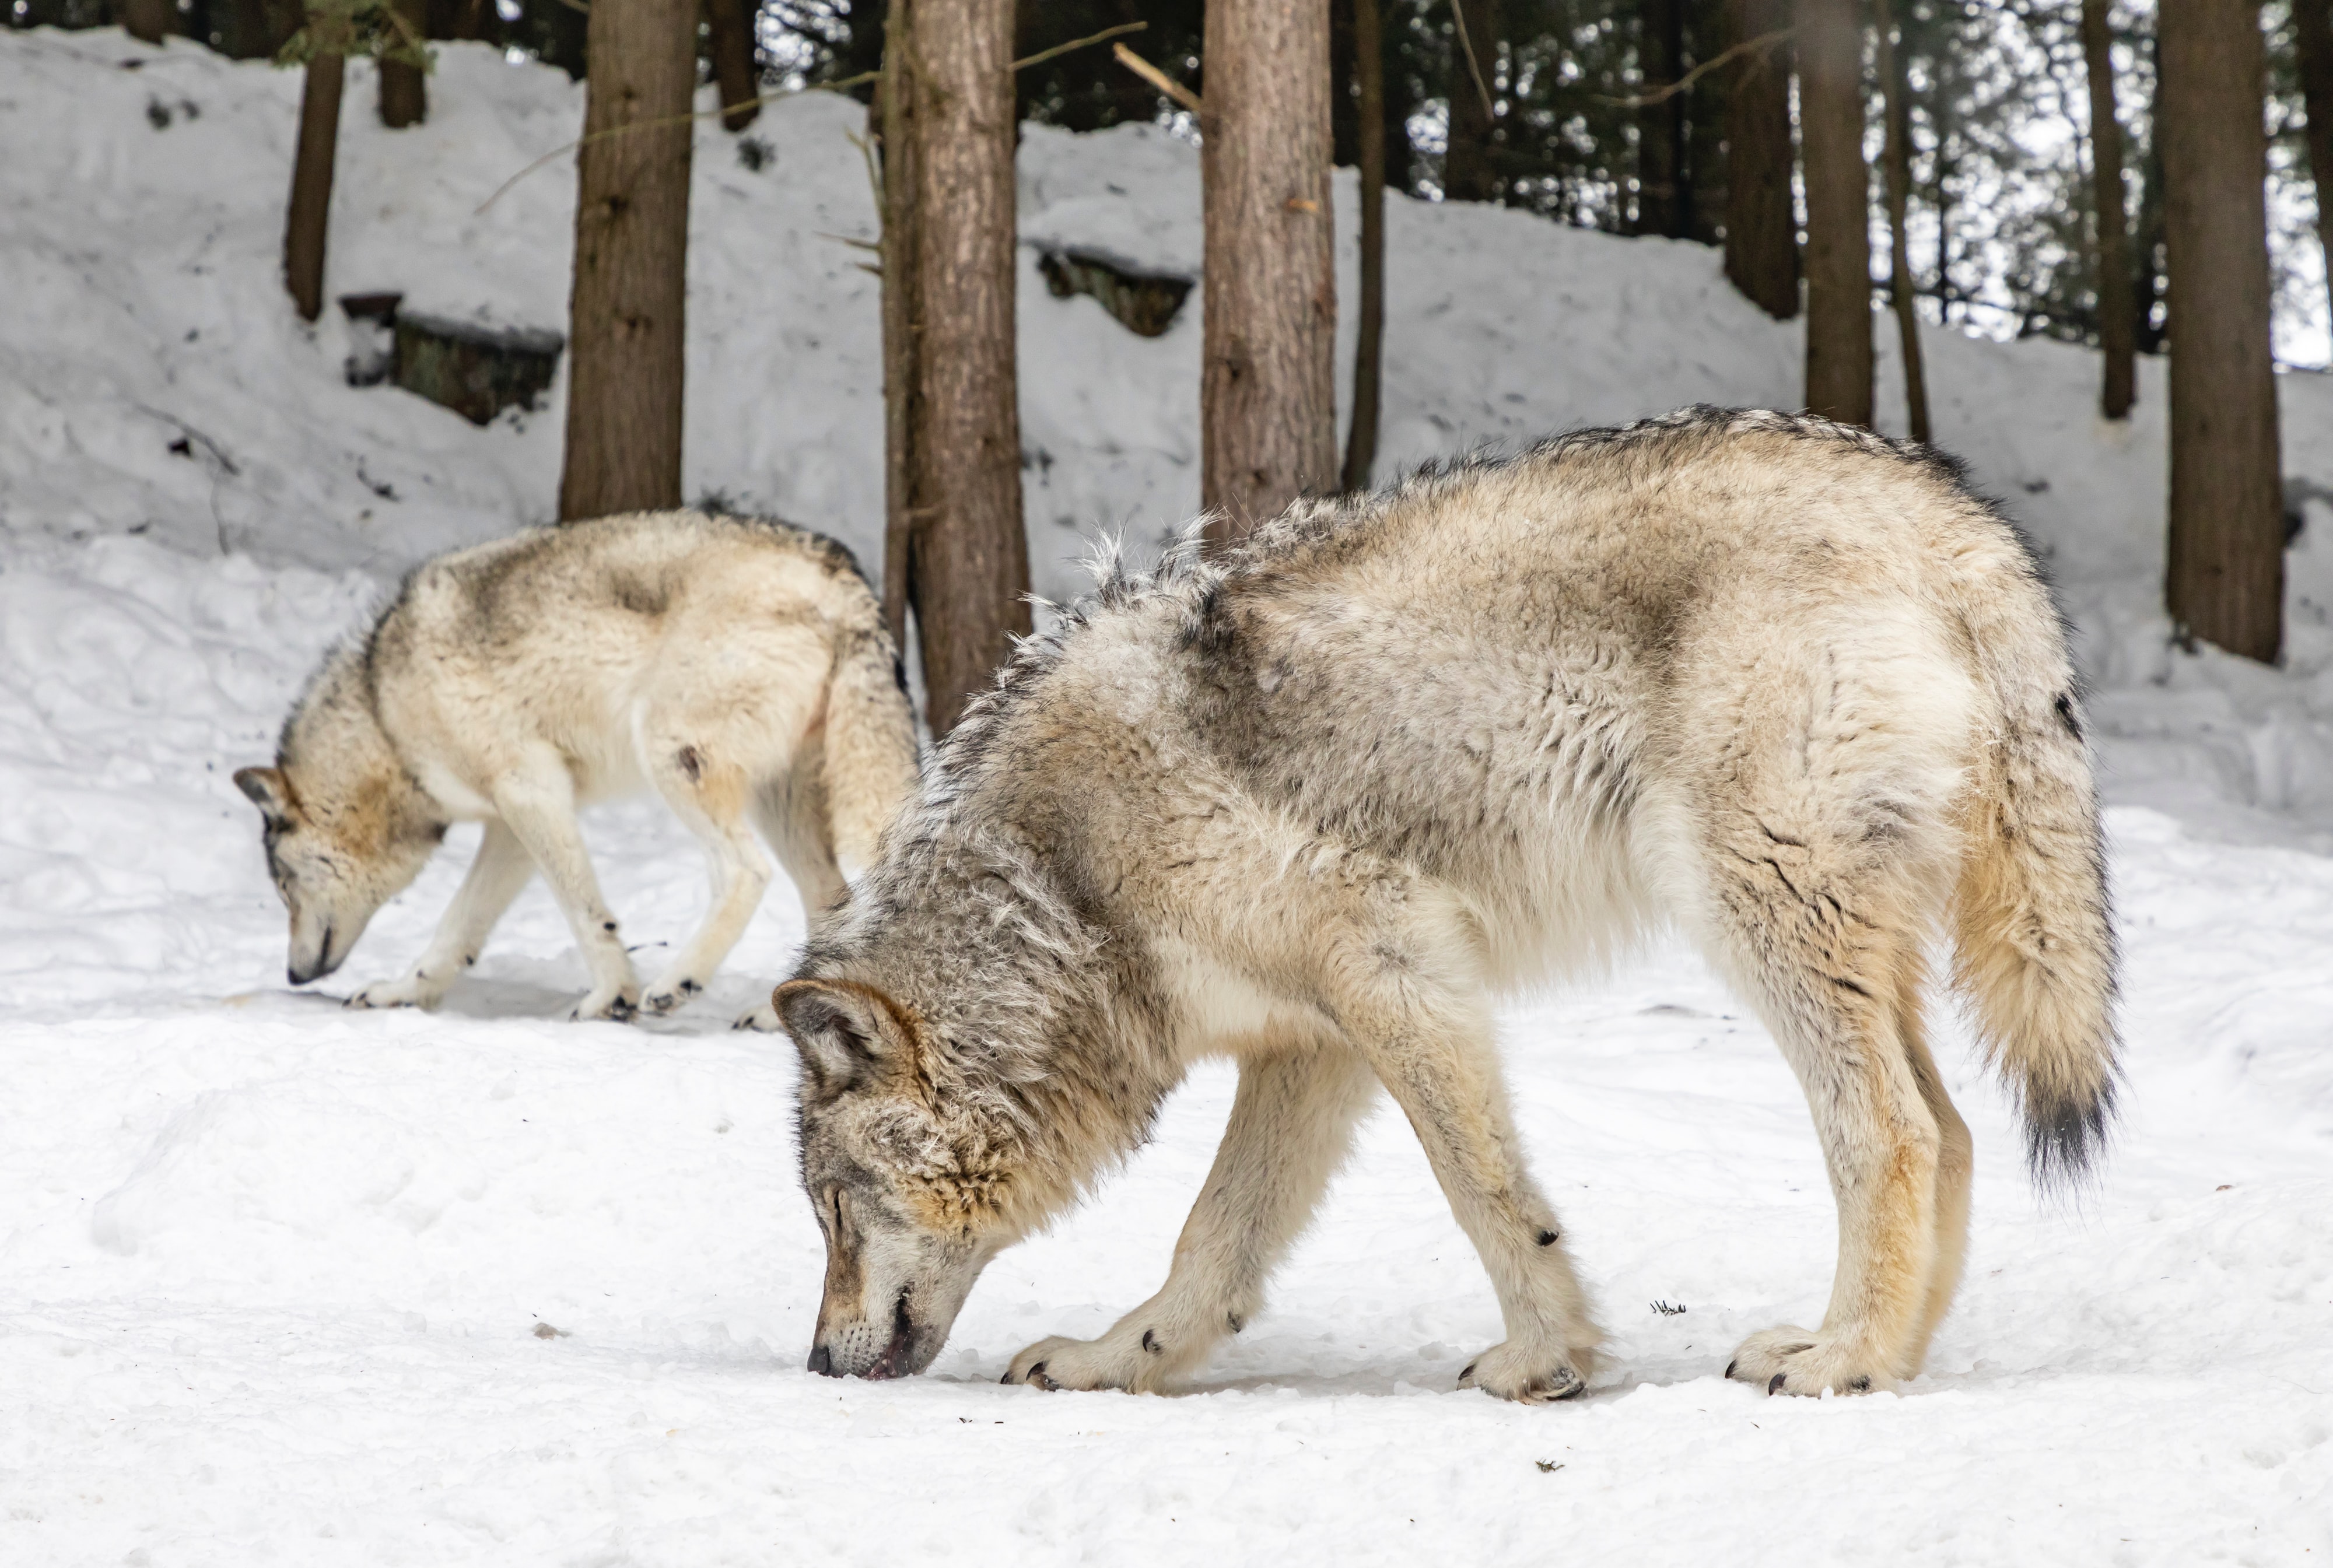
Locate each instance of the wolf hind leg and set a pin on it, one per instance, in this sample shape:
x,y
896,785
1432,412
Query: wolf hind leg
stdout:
x,y
1292,1123
1833,966
791,813
501,870
1955,1165
710,794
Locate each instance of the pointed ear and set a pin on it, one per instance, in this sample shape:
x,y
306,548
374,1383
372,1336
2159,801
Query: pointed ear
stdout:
x,y
845,1031
268,789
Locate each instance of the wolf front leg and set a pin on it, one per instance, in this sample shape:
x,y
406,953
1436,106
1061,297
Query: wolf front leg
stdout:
x,y
496,875
1442,1068
1291,1123
537,801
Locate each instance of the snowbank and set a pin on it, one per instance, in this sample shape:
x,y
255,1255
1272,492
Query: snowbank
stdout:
x,y
280,1280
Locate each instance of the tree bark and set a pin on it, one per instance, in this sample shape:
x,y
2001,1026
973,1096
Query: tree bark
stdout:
x,y
1761,226
628,314
736,67
149,20
1369,347
2226,581
970,572
1663,195
1838,207
1267,386
2147,271
404,89
895,111
1468,170
2312,21
309,212
2117,324
1903,295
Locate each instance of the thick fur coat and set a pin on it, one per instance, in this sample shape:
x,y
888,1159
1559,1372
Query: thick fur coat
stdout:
x,y
738,669
1786,686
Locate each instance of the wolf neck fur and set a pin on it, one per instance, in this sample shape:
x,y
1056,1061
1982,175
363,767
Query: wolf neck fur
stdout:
x,y
343,764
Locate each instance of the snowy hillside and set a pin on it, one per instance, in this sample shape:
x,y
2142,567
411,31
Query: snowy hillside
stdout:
x,y
278,1280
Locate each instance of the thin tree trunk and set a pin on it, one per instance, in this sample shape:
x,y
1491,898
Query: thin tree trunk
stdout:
x,y
2118,325
1838,207
2147,272
1762,227
305,221
730,23
1899,193
1267,386
1707,109
2226,582
2312,19
1468,174
1663,198
627,324
1368,348
403,90
970,575
149,20
895,107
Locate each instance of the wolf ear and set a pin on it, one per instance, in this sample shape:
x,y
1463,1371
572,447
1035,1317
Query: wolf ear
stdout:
x,y
845,1032
268,790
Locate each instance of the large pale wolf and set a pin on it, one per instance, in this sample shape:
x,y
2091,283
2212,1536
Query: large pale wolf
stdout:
x,y
1786,685
739,668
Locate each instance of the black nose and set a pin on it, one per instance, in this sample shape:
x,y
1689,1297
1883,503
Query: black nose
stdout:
x,y
822,1361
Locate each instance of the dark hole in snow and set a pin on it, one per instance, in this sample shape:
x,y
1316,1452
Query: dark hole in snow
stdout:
x,y
476,371
1145,303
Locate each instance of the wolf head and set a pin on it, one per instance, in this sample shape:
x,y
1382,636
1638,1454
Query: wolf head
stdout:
x,y
913,1199
336,856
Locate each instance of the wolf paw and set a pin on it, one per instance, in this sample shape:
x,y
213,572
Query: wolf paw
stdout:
x,y
671,995
615,1005
1528,1374
763,1019
412,991
1080,1364
1796,1360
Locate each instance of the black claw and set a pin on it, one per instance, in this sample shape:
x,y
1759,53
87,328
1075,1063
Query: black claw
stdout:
x,y
1007,1378
1730,1366
1150,1342
1546,1239
1467,1373
1860,1386
1775,1383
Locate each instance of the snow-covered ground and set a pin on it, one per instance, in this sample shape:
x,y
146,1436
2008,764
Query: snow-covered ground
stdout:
x,y
280,1282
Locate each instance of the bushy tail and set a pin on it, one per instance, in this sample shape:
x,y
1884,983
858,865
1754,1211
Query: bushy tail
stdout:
x,y
870,744
2033,933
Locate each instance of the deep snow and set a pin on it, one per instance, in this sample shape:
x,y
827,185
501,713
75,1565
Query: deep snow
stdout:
x,y
279,1281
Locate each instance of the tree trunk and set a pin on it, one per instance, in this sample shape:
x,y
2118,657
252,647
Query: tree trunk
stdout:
x,y
1468,173
1761,226
1902,294
2117,326
2312,21
403,90
970,571
1368,348
895,111
1838,209
149,20
2226,581
735,66
1267,386
311,208
626,317
2148,269
1663,198
1707,109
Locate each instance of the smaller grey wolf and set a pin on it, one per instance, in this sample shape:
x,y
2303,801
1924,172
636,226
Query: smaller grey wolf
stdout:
x,y
739,668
